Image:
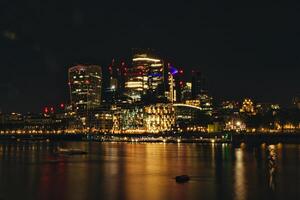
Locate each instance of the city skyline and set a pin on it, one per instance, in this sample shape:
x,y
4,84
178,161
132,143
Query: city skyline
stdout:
x,y
149,99
249,56
188,77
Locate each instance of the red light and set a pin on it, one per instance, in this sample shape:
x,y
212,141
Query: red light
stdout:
x,y
87,82
62,105
52,109
181,71
46,110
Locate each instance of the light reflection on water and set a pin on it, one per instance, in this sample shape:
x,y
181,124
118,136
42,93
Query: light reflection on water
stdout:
x,y
240,185
32,170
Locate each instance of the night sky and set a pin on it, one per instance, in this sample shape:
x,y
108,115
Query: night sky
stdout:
x,y
244,48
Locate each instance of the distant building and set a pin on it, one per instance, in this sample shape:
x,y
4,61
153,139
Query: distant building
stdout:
x,y
101,119
138,118
230,105
187,115
197,84
235,124
116,81
263,108
11,121
198,92
171,84
159,118
296,101
16,123
131,120
206,103
85,82
174,84
193,102
146,75
186,93
248,107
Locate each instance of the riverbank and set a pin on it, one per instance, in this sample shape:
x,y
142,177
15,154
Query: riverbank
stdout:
x,y
225,137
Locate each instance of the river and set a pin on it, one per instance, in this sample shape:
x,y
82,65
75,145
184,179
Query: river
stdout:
x,y
146,171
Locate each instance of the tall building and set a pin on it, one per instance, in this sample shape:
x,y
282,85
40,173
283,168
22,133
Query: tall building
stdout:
x,y
116,81
179,85
199,92
186,93
146,75
85,82
174,84
170,92
197,84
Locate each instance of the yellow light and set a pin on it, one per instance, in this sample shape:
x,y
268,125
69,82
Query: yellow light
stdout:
x,y
156,65
146,59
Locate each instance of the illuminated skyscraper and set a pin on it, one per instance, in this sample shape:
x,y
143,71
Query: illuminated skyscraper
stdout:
x,y
171,91
145,76
186,92
174,84
85,83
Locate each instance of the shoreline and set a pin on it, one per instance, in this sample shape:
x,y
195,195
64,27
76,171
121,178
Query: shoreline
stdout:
x,y
225,137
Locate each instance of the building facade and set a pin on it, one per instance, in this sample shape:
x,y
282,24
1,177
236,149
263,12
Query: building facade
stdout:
x,y
85,82
146,75
159,118
197,84
135,119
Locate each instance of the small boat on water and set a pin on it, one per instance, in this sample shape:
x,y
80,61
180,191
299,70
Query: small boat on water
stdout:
x,y
71,151
182,178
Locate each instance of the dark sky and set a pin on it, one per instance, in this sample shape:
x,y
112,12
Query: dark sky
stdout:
x,y
244,48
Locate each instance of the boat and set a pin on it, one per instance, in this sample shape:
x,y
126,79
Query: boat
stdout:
x,y
182,178
71,151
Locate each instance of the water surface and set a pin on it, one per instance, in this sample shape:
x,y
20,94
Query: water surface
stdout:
x,y
135,171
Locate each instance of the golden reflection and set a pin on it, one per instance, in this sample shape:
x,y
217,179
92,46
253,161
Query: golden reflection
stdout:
x,y
272,165
239,176
144,170
147,167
